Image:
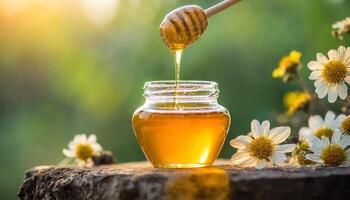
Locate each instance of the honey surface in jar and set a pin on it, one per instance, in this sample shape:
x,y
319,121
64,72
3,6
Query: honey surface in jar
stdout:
x,y
181,139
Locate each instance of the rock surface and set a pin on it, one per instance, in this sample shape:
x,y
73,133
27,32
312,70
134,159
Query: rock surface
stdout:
x,y
140,181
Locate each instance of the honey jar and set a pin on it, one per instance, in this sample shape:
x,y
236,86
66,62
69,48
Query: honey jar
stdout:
x,y
181,124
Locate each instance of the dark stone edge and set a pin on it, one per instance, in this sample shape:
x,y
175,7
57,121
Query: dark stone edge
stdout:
x,y
275,183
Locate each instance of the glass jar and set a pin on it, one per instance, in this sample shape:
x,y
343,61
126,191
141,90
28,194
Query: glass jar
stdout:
x,y
181,125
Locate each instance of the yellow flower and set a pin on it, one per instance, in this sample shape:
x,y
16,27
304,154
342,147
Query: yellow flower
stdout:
x,y
288,64
295,101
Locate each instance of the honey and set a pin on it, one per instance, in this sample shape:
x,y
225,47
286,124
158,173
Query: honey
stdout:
x,y
188,132
181,124
181,139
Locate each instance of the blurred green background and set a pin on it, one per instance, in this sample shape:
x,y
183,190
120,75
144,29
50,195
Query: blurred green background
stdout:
x,y
69,67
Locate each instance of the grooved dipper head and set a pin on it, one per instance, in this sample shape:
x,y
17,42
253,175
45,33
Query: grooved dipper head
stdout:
x,y
183,26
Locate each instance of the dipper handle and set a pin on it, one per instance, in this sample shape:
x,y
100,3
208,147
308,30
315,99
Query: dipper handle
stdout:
x,y
220,7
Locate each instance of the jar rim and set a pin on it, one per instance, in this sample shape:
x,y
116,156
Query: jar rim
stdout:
x,y
185,89
193,83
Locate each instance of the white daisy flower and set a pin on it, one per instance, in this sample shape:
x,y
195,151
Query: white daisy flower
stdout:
x,y
330,74
341,27
330,152
261,148
343,24
319,127
83,148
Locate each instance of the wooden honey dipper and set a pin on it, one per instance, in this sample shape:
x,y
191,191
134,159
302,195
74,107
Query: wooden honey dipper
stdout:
x,y
186,24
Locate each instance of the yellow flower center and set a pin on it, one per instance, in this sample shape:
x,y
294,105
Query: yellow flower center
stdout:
x,y
345,125
334,72
333,155
303,146
84,151
327,132
261,147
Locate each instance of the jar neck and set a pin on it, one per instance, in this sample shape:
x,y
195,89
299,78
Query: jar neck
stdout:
x,y
184,94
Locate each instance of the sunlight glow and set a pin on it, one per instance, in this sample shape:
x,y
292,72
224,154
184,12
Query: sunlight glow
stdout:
x,y
100,12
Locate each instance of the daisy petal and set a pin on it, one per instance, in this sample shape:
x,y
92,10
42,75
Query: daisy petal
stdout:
x,y
72,144
336,137
341,52
344,141
80,138
340,119
240,157
325,140
265,127
92,139
285,148
315,122
343,91
347,153
317,149
322,89
261,164
313,65
68,153
278,158
346,163
315,158
347,79
318,82
315,75
317,141
332,94
251,162
316,145
321,58
333,55
304,133
347,56
240,142
330,116
255,128
97,148
279,134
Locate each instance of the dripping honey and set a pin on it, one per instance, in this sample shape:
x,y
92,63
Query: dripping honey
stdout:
x,y
173,139
177,59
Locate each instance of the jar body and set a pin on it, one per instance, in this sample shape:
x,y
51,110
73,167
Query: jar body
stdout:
x,y
179,134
